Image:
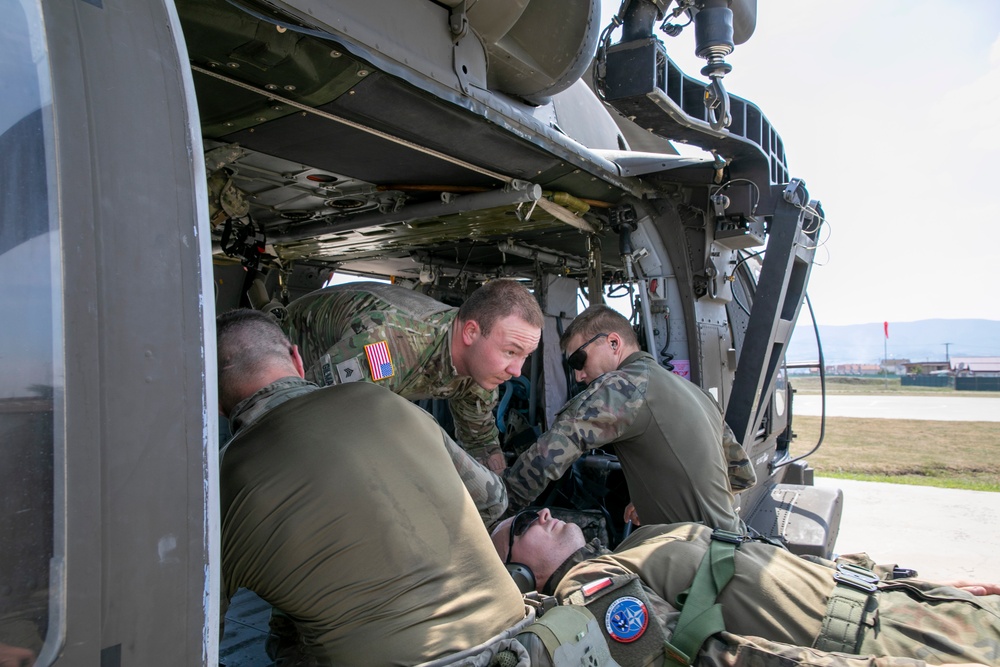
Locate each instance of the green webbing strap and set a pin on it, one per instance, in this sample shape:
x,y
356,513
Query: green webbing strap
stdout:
x,y
846,610
701,615
561,625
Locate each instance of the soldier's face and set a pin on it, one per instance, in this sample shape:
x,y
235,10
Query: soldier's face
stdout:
x,y
547,539
601,358
492,360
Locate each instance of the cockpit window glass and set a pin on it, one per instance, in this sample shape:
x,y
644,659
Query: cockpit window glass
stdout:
x,y
31,340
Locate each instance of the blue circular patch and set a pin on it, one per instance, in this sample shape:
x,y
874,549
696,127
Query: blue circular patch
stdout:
x,y
626,619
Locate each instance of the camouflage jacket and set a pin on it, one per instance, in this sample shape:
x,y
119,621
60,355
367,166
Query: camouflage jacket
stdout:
x,y
486,489
332,326
667,433
776,603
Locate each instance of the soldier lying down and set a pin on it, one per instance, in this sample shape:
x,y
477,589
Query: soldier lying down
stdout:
x,y
759,604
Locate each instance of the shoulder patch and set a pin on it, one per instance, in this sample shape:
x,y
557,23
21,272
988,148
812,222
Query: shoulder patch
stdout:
x,y
349,371
379,360
594,586
326,370
626,619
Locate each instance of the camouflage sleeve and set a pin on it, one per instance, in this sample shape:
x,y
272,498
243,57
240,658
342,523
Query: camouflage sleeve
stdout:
x,y
741,472
352,347
595,417
485,487
729,650
317,321
475,426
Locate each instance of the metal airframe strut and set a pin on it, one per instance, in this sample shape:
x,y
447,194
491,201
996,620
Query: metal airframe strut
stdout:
x,y
778,298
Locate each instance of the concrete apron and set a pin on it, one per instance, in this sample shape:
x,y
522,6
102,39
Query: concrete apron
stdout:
x,y
944,534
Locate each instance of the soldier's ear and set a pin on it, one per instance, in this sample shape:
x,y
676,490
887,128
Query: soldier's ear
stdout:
x,y
297,361
470,331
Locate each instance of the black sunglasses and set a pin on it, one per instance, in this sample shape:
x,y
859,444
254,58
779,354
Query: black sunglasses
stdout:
x,y
579,357
522,521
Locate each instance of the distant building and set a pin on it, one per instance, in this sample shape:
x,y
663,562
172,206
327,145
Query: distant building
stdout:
x,y
854,369
982,366
927,367
894,366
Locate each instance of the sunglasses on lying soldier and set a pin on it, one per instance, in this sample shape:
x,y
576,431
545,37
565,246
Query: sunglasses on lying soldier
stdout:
x,y
577,360
521,523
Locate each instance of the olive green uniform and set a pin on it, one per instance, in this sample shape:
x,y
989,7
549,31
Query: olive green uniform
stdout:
x,y
667,433
340,321
775,604
370,545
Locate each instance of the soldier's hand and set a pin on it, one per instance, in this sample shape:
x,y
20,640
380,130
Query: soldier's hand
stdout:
x,y
497,463
632,515
975,588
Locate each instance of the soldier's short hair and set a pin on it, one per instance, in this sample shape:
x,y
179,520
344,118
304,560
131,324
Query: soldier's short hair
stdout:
x,y
249,342
599,319
498,299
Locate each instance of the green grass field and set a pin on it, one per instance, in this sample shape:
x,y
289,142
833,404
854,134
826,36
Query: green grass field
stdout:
x,y
963,455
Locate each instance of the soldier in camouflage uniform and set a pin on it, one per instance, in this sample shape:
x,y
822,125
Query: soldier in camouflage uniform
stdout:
x,y
420,348
777,607
667,432
338,507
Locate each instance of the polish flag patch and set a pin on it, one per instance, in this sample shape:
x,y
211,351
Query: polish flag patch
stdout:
x,y
594,586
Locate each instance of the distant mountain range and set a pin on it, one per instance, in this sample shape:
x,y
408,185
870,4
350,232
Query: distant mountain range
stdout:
x,y
924,340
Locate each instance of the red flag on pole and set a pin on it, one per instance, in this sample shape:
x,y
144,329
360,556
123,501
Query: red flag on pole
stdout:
x,y
885,325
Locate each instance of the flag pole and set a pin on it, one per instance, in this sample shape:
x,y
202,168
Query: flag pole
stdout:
x,y
885,355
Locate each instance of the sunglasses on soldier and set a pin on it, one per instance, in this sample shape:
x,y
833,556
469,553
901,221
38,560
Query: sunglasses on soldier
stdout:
x,y
521,523
577,360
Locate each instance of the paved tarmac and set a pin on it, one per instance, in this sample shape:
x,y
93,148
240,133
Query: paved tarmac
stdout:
x,y
933,408
944,534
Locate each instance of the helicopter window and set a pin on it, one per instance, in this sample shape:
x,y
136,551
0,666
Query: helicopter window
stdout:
x,y
31,384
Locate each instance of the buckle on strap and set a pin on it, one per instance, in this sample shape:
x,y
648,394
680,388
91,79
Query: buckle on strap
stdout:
x,y
856,577
850,603
728,536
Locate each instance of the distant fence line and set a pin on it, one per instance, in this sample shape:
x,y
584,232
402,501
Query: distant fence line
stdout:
x,y
927,381
977,383
972,383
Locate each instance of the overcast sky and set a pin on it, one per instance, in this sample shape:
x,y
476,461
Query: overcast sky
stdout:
x,y
889,111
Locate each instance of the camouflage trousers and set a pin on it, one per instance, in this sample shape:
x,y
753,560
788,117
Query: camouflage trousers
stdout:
x,y
937,624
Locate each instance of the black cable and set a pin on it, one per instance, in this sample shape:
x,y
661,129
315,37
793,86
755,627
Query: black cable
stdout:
x,y
665,356
744,259
674,29
735,269
822,386
597,71
617,291
737,300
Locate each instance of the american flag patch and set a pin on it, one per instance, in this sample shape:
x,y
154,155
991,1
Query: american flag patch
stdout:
x,y
379,360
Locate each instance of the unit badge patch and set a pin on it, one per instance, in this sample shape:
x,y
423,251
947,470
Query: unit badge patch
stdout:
x,y
379,360
626,619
